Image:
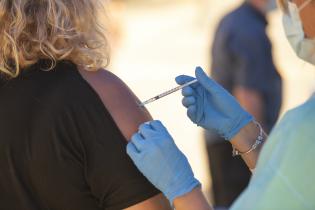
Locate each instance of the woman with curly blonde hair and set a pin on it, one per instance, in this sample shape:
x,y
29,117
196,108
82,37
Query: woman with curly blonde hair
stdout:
x,y
64,120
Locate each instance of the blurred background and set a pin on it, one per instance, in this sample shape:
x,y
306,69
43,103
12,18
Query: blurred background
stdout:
x,y
153,41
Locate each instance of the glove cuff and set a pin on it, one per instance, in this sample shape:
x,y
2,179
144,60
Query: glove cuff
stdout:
x,y
182,190
239,125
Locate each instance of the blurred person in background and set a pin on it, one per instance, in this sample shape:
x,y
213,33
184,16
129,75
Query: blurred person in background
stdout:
x,y
64,120
282,165
242,63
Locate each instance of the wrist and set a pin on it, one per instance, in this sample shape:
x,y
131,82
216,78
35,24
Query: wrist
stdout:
x,y
192,200
238,126
259,140
180,189
244,142
245,137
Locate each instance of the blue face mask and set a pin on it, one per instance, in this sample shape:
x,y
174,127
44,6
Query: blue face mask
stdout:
x,y
293,27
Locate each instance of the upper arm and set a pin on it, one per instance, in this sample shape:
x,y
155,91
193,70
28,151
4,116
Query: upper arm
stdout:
x,y
123,106
119,100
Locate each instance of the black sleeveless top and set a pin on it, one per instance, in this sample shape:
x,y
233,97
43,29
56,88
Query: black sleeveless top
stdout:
x,y
60,148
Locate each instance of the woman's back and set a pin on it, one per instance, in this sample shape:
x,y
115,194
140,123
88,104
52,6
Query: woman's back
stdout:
x,y
60,148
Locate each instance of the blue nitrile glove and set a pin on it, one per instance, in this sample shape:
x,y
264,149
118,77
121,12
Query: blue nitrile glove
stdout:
x,y
212,107
156,155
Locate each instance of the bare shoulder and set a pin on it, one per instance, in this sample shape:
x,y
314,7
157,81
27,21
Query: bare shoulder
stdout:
x,y
119,100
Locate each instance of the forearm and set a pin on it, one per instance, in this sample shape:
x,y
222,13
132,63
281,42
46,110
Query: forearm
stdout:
x,y
243,142
192,201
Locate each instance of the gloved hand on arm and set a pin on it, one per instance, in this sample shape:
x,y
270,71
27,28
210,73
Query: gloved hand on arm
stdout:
x,y
212,107
156,155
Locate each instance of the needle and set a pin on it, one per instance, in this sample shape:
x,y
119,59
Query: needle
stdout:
x,y
167,93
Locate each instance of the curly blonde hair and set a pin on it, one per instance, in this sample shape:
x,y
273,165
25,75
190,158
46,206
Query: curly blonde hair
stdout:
x,y
51,29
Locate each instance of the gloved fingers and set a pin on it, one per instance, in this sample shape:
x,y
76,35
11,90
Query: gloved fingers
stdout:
x,y
191,112
158,126
188,91
146,130
132,151
138,141
208,83
188,101
182,79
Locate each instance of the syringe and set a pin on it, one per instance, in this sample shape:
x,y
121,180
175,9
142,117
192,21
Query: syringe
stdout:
x,y
167,93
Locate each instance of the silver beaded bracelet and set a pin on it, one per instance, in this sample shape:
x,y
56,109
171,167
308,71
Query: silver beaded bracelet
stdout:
x,y
260,139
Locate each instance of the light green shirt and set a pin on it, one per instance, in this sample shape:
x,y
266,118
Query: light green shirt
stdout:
x,y
285,175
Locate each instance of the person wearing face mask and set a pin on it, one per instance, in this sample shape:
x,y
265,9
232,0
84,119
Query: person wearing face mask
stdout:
x,y
282,166
242,62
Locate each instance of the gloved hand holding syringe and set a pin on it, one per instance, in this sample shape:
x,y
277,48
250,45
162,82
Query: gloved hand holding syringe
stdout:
x,y
167,93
